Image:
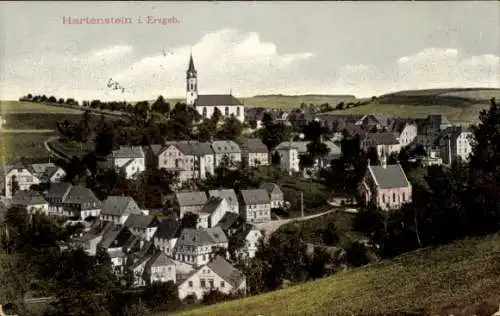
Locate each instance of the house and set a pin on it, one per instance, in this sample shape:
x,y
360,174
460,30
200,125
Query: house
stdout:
x,y
118,208
386,186
230,197
154,267
252,239
383,142
226,151
113,241
160,268
275,194
455,143
128,159
288,157
218,274
405,131
90,240
33,201
197,246
254,153
212,212
18,177
253,116
70,200
166,235
290,151
191,202
190,159
48,172
143,226
255,205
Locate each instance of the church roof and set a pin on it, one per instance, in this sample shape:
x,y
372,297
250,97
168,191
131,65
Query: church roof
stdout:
x,y
191,68
217,99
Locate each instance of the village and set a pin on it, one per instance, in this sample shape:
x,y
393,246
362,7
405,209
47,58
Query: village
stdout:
x,y
189,243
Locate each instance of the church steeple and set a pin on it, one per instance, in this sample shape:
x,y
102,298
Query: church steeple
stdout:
x,y
191,83
191,72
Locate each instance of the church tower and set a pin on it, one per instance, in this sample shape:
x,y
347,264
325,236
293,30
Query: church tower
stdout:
x,y
191,83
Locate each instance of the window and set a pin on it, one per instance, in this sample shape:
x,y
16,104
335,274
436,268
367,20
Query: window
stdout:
x,y
404,197
177,163
238,111
190,283
383,198
211,282
203,284
204,257
222,284
226,111
394,197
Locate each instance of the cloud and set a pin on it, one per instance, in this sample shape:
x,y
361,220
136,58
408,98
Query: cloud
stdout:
x,y
242,62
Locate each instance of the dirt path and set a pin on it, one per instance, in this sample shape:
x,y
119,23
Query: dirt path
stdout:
x,y
47,147
270,227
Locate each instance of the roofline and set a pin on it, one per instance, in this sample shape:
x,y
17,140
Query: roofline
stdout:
x,y
373,175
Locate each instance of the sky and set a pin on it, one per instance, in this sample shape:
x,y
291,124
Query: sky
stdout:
x,y
248,48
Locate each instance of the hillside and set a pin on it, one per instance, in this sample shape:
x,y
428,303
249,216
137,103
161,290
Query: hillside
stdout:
x,y
451,279
469,113
449,97
32,107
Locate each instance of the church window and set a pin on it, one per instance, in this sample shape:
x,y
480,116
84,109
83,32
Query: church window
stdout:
x,y
238,111
204,112
394,197
226,111
383,198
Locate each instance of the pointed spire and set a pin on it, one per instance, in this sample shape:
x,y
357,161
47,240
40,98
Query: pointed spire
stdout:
x,y
191,69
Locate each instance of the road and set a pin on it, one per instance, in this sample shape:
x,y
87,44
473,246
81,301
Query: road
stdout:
x,y
269,228
53,153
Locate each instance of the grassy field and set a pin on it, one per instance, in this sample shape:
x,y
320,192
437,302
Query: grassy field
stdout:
x,y
71,148
452,279
454,114
13,146
312,229
37,120
31,107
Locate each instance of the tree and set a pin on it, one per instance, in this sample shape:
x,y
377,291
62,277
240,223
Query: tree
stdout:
x,y
356,254
231,129
161,296
274,134
52,99
330,236
484,178
189,220
276,158
161,106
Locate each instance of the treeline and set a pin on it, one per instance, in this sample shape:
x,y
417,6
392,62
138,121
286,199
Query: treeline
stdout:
x,y
160,105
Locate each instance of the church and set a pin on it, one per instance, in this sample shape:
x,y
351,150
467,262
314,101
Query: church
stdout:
x,y
205,104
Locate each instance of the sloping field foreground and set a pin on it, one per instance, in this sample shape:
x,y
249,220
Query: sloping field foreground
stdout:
x,y
460,279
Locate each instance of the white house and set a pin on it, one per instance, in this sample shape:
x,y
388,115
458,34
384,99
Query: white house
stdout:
x,y
455,142
160,268
212,212
289,158
255,206
19,176
196,246
226,150
229,195
130,160
218,274
144,226
405,132
252,240
117,209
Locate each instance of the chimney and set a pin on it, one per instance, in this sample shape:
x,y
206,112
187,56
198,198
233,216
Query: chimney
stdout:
x,y
383,161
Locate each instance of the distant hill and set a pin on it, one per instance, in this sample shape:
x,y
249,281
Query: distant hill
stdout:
x,y
450,96
293,101
447,280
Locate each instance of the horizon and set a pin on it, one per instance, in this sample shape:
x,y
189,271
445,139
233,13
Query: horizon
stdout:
x,y
416,45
